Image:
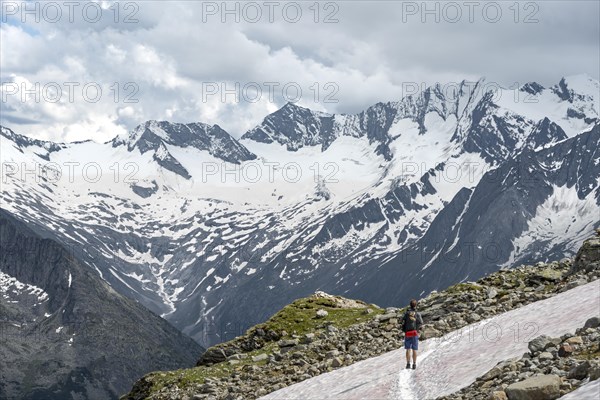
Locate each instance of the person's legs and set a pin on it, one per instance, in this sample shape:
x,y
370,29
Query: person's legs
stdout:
x,y
407,346
415,348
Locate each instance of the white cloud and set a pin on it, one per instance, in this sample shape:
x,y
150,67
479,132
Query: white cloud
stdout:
x,y
159,66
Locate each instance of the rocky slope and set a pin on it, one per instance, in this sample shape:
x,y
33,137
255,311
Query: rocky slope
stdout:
x,y
308,337
552,368
64,333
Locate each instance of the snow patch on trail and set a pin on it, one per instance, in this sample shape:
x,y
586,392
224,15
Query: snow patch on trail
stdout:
x,y
442,368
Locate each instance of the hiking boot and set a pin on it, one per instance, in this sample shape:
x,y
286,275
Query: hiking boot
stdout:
x,y
407,365
415,366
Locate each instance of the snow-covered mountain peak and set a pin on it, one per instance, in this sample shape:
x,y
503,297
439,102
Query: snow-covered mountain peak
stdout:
x,y
577,88
158,136
532,88
40,147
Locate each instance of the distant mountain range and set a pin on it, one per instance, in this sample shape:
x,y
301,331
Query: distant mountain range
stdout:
x,y
215,234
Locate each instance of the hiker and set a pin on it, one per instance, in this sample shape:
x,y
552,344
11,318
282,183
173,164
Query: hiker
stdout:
x,y
411,325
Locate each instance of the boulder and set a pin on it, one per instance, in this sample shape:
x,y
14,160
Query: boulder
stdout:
x,y
542,387
593,322
337,362
565,350
580,371
260,357
594,372
429,332
588,256
287,343
322,313
540,343
213,355
574,340
492,374
498,395
386,317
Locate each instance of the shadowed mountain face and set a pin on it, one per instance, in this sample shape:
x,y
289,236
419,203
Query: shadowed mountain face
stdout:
x,y
65,333
404,197
468,239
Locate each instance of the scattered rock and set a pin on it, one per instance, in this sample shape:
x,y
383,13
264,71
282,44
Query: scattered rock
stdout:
x,y
260,357
301,356
575,340
288,343
322,313
565,350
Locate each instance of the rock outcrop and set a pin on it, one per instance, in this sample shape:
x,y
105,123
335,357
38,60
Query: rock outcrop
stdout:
x,y
588,256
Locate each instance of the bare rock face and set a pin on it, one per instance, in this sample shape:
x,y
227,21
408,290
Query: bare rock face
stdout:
x,y
588,256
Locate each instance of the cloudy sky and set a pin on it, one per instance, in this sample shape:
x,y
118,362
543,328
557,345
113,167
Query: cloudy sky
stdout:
x,y
91,71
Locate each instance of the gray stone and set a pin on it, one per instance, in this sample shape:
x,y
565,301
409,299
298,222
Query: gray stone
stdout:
x,y
213,355
543,387
594,372
498,395
288,343
492,374
386,317
540,343
337,362
593,322
580,371
587,256
491,293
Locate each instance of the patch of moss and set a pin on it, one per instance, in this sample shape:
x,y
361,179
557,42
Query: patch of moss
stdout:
x,y
464,288
550,274
592,353
299,317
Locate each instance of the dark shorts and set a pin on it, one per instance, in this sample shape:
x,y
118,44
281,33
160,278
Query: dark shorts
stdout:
x,y
411,343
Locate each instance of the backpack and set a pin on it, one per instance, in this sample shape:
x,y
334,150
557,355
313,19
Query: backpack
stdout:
x,y
410,321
